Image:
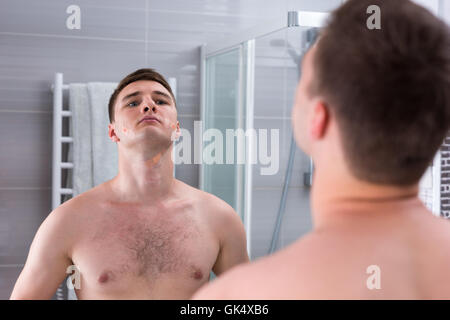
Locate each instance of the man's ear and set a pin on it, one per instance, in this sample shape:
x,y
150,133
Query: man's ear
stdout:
x,y
319,120
176,133
112,133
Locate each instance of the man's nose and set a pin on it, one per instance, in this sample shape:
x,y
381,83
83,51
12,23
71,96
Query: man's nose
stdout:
x,y
146,107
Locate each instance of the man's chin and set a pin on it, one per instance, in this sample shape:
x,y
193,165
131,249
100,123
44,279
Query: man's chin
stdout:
x,y
151,140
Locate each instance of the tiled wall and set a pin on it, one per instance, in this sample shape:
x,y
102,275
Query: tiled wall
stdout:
x,y
445,178
445,155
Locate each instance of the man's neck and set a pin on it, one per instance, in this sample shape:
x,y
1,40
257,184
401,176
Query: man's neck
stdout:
x,y
144,179
335,195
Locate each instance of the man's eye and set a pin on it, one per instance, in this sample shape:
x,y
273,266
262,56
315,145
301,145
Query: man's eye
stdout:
x,y
160,102
133,104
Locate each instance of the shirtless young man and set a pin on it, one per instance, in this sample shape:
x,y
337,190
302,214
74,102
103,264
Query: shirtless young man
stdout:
x,y
143,234
372,109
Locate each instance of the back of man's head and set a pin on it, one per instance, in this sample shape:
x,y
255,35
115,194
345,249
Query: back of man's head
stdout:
x,y
388,88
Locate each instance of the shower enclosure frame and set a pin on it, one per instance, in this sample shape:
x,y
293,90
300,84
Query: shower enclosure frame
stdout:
x,y
245,42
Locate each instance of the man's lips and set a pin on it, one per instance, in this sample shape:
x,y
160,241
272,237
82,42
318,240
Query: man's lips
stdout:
x,y
149,119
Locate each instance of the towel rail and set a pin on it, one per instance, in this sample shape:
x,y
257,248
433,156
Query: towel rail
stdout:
x,y
58,139
66,139
66,165
58,114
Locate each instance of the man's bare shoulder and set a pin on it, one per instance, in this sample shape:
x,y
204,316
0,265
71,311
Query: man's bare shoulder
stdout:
x,y
72,213
91,197
286,274
207,202
218,215
61,227
334,264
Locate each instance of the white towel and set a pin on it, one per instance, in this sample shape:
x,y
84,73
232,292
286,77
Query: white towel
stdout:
x,y
81,132
95,156
104,151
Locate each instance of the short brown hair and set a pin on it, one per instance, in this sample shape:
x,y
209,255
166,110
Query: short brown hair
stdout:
x,y
389,89
141,74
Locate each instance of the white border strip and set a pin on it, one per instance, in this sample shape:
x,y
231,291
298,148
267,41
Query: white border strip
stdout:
x,y
57,134
202,112
249,103
437,184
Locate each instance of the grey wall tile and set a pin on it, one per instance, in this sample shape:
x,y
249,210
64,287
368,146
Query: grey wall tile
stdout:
x,y
264,211
307,5
296,219
26,150
107,19
195,26
278,56
21,214
188,86
274,91
301,160
446,11
28,64
8,277
270,83
248,8
301,166
188,172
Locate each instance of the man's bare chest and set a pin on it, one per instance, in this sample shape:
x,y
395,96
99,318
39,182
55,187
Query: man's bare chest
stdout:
x,y
151,250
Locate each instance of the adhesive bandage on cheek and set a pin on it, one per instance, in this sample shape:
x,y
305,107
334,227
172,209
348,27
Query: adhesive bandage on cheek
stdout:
x,y
124,130
175,133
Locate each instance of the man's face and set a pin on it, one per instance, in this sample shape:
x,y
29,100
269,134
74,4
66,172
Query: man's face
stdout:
x,y
303,104
144,112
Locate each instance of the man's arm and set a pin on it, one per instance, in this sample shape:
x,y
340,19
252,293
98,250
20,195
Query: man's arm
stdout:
x,y
233,244
47,260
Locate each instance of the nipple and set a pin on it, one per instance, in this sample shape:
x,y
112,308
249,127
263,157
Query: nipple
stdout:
x,y
198,275
104,277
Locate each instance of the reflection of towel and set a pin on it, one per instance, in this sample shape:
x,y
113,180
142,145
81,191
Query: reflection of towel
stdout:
x,y
104,151
95,156
81,131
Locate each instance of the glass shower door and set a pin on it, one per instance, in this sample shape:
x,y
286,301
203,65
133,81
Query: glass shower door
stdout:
x,y
281,207
248,83
224,110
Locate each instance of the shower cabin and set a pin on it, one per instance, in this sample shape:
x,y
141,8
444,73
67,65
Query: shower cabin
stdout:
x,y
248,83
